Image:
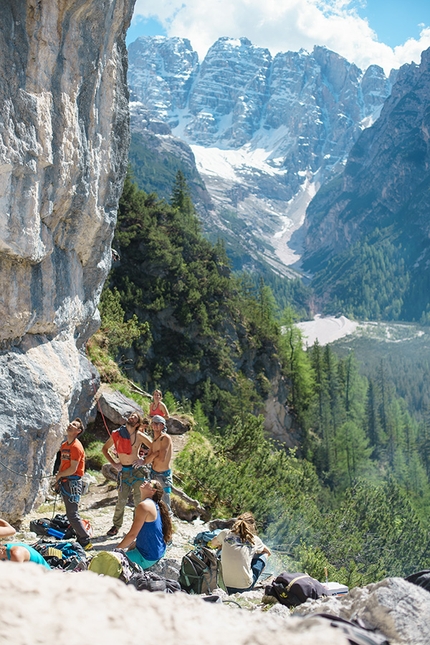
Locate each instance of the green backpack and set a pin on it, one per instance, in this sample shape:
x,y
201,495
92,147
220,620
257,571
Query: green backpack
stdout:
x,y
200,571
114,564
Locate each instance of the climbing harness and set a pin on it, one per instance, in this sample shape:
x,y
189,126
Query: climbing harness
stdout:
x,y
75,488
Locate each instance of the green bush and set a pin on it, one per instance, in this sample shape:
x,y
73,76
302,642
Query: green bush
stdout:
x,y
94,458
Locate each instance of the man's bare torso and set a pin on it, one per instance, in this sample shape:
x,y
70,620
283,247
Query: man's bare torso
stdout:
x,y
136,440
162,446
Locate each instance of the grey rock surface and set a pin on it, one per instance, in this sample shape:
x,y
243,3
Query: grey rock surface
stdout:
x,y
116,406
178,425
63,153
393,606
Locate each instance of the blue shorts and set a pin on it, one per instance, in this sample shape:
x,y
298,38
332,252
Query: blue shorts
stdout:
x,y
135,556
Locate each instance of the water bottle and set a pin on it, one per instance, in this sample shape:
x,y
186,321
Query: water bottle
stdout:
x,y
55,533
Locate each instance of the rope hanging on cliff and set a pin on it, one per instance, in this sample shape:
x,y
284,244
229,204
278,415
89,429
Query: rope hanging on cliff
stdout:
x,y
24,475
136,407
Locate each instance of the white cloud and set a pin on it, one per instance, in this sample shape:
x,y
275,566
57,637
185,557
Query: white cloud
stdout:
x,y
282,25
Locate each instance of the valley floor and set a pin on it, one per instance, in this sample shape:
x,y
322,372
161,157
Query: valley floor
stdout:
x,y
331,328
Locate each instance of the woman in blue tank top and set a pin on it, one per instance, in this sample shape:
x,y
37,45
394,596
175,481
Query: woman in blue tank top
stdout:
x,y
20,552
151,529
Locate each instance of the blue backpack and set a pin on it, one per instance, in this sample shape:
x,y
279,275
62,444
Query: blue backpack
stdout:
x,y
68,556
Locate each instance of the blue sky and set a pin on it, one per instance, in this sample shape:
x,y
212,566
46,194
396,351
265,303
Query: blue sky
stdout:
x,y
386,32
395,21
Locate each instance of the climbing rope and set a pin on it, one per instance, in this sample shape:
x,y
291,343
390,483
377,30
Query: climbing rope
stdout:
x,y
24,475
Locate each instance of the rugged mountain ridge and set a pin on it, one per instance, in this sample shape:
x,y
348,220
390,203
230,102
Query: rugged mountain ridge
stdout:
x,y
265,132
64,136
385,185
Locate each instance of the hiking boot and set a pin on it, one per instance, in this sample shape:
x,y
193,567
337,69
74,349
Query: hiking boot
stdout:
x,y
114,530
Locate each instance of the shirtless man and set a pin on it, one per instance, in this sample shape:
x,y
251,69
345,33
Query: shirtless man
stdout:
x,y
160,457
127,441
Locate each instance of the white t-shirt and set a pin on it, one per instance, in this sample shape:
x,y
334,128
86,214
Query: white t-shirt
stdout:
x,y
236,557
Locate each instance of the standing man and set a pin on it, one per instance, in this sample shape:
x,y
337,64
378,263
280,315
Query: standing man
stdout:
x,y
127,440
160,457
69,479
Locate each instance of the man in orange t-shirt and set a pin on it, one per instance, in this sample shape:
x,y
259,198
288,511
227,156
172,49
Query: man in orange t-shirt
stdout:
x,y
69,479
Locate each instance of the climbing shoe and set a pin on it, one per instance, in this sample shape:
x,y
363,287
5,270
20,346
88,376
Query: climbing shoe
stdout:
x,y
113,531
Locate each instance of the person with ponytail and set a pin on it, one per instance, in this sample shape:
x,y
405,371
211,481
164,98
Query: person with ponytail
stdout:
x,y
243,554
151,530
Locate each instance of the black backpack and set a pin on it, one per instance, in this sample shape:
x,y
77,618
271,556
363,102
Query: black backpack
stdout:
x,y
59,523
292,589
200,571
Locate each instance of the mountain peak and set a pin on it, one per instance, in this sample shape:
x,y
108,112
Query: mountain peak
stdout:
x,y
265,131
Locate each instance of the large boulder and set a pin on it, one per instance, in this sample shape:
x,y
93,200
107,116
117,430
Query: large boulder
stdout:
x,y
115,406
64,137
61,608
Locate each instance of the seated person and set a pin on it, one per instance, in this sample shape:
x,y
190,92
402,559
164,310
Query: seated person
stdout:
x,y
243,554
151,530
6,530
20,552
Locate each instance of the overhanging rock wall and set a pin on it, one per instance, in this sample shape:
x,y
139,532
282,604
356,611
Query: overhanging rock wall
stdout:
x,y
64,137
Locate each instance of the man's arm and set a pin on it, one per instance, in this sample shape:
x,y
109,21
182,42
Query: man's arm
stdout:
x,y
262,548
105,450
147,441
140,515
6,529
69,471
152,454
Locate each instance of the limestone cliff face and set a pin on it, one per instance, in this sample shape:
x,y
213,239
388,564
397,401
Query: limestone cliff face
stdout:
x,y
63,152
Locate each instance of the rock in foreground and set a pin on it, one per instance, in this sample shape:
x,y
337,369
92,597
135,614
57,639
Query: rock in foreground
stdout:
x,y
56,608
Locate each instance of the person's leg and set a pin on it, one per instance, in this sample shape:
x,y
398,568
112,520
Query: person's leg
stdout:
x,y
72,512
123,493
258,563
135,556
232,590
140,474
166,483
